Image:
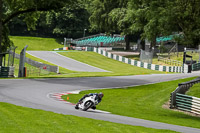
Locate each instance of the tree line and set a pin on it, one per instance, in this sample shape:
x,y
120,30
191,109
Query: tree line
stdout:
x,y
144,19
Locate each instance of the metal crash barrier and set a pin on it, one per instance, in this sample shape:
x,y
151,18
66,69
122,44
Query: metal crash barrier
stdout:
x,y
178,99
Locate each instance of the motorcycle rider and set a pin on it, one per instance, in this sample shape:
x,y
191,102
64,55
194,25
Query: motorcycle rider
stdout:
x,y
98,97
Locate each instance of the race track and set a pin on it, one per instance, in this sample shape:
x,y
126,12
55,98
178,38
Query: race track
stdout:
x,y
64,61
34,93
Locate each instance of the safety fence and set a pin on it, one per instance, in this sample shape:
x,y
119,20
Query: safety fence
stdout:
x,y
51,68
41,71
178,69
146,56
31,71
180,101
169,61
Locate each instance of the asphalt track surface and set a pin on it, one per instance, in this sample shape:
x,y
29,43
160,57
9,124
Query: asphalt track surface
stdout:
x,y
64,61
35,93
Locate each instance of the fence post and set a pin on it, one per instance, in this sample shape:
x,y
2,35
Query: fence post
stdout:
x,y
39,71
25,72
28,73
173,100
22,62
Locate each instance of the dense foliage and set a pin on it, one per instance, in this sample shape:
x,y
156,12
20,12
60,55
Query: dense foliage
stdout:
x,y
147,18
150,18
29,10
69,21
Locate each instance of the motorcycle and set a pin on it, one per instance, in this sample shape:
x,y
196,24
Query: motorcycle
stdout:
x,y
88,102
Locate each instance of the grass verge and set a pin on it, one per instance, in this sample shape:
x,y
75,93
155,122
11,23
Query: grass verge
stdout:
x,y
35,43
25,120
145,102
194,90
115,67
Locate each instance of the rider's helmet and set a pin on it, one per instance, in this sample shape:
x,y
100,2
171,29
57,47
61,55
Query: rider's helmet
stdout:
x,y
100,94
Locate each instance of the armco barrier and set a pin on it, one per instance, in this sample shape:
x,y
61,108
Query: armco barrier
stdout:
x,y
188,103
179,100
178,69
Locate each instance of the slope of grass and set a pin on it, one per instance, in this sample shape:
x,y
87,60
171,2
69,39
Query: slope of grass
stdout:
x,y
61,70
116,67
31,70
194,90
16,119
143,102
35,43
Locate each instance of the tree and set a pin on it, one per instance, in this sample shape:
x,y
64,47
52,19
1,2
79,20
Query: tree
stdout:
x,y
70,21
187,14
144,17
109,16
29,8
155,18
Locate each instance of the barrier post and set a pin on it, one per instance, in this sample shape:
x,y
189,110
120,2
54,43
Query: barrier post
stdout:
x,y
25,72
22,61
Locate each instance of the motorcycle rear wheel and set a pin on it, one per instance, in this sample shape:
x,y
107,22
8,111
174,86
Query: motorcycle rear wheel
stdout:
x,y
87,105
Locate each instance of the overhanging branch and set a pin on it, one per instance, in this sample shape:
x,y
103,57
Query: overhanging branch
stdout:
x,y
22,12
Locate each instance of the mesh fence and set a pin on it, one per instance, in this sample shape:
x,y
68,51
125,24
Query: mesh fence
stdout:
x,y
146,56
11,56
34,72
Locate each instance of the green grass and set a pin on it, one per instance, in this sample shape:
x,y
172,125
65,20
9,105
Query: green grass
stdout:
x,y
154,60
31,70
115,67
145,102
194,90
61,70
195,56
26,120
35,71
35,43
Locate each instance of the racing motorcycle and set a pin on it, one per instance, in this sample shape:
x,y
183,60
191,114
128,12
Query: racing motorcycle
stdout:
x,y
88,102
